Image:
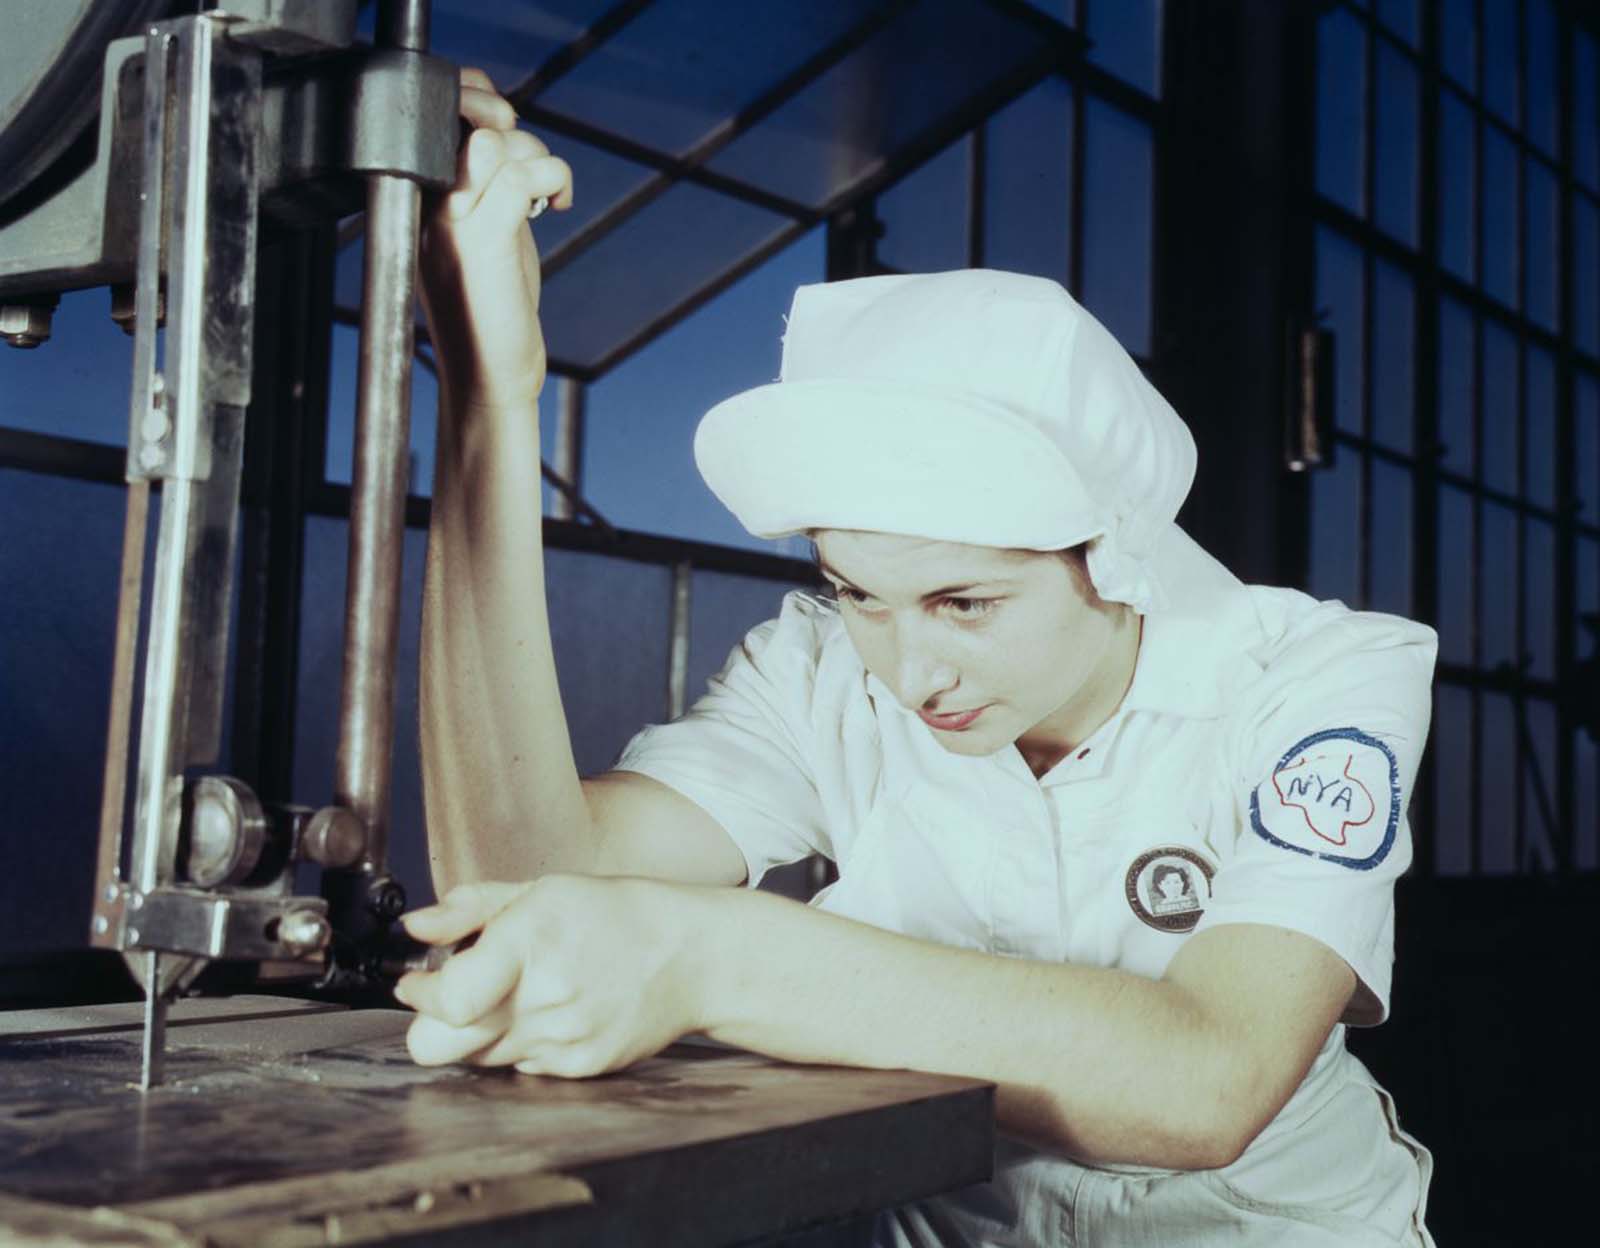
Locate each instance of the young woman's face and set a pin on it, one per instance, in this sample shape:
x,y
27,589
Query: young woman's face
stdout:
x,y
989,647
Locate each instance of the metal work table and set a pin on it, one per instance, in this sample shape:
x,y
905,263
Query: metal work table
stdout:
x,y
291,1123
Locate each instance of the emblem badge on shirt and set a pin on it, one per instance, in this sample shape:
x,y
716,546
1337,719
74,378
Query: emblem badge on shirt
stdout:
x,y
1168,888
1334,796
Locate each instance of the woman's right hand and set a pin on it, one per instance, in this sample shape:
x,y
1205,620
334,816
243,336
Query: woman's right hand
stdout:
x,y
479,268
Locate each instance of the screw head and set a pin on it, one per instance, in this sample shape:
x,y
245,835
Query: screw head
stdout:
x,y
102,925
388,900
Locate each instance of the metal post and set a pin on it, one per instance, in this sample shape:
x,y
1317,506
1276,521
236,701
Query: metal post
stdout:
x,y
678,640
569,445
404,24
378,491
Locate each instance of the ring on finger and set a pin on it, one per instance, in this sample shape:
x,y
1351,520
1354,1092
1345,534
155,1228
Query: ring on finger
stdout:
x,y
536,210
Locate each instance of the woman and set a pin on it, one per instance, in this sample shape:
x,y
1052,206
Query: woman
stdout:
x,y
1034,708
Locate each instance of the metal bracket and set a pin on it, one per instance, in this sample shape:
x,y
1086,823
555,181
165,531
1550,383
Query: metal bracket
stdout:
x,y
210,925
199,131
403,117
290,27
1308,407
215,882
324,121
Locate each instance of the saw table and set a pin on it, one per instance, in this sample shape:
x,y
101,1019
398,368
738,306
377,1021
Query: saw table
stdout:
x,y
284,1122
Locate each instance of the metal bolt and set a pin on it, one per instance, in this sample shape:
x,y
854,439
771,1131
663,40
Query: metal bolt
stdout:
x,y
156,426
157,422
133,936
150,456
387,899
301,931
136,901
102,925
111,892
26,324
124,305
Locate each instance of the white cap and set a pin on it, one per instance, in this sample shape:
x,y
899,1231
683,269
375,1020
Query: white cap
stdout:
x,y
974,406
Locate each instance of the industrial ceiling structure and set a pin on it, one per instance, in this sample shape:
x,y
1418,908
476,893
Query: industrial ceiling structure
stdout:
x,y
706,136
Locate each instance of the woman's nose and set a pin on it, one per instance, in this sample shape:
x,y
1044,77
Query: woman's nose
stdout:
x,y
923,676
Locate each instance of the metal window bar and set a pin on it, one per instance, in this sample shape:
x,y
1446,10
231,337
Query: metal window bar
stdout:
x,y
910,156
670,171
564,60
1431,282
690,166
1078,158
569,446
1568,530
332,501
977,195
678,629
1475,842
1369,178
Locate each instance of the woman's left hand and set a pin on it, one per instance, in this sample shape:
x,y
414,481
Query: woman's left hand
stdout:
x,y
570,975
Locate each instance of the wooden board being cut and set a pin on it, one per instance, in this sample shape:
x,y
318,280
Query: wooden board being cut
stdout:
x,y
286,1123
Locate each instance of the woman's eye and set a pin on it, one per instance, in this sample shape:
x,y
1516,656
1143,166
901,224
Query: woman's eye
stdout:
x,y
847,593
969,608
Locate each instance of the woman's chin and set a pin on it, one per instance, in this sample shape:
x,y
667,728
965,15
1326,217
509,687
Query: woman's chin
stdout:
x,y
972,744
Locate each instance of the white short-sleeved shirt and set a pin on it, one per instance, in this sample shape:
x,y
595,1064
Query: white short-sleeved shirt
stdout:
x,y
1256,772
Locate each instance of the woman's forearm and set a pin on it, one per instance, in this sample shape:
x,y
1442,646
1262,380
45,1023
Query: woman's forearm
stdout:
x,y
501,795
501,791
1100,1064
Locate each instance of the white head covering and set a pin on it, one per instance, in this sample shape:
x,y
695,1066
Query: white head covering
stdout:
x,y
973,406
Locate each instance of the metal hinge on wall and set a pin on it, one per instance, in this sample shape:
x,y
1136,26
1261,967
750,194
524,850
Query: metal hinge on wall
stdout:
x,y
1308,403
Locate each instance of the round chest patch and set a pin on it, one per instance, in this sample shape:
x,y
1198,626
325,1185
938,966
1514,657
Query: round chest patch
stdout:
x,y
1168,888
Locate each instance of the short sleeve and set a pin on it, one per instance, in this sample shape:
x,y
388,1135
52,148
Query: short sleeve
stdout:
x,y
743,752
1323,756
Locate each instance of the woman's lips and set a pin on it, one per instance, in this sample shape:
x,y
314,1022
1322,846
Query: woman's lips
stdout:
x,y
953,722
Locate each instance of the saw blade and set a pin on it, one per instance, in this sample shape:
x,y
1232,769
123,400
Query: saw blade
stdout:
x,y
153,1061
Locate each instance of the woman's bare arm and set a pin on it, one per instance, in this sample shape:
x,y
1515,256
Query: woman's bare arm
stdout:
x,y
501,790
